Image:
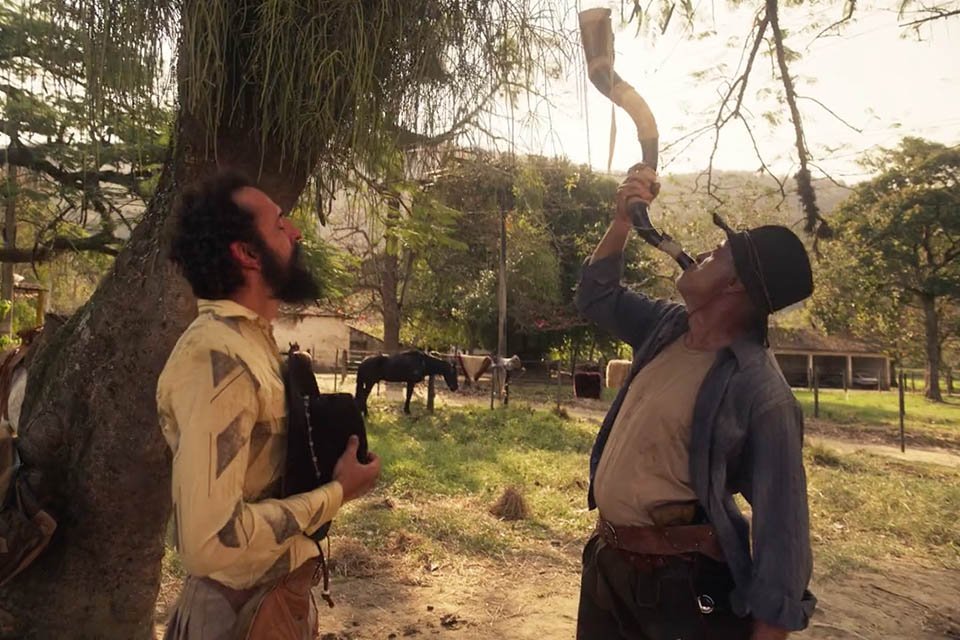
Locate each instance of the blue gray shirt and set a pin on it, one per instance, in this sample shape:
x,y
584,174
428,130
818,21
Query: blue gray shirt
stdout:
x,y
746,438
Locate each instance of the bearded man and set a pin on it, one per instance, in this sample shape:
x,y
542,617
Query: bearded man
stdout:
x,y
223,412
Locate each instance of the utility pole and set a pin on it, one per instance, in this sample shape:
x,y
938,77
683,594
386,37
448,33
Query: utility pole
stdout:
x,y
499,372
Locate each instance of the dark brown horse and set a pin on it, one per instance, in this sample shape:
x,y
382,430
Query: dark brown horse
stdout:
x,y
409,366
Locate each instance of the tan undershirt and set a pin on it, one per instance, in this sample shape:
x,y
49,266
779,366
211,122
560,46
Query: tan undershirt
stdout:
x,y
645,463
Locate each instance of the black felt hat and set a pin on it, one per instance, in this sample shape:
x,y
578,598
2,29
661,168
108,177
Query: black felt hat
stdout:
x,y
772,264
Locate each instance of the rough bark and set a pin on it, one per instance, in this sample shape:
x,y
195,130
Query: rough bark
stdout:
x,y
391,305
931,324
90,436
390,283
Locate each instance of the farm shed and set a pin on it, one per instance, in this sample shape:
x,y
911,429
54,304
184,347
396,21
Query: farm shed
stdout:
x,y
840,361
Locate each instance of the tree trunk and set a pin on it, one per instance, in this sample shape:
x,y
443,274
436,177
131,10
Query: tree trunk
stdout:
x,y
391,304
931,324
390,280
90,437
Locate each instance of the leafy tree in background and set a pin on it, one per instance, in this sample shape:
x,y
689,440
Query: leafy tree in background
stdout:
x,y
72,182
895,268
556,212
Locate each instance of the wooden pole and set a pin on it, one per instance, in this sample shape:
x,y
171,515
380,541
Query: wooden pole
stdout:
x,y
493,381
336,365
903,444
559,361
41,307
816,393
431,392
9,236
502,302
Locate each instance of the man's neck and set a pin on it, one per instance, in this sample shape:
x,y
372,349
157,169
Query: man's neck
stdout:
x,y
263,305
711,329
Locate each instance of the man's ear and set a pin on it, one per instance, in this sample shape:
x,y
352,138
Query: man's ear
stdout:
x,y
244,254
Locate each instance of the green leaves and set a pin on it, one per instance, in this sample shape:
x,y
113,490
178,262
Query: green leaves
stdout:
x,y
899,241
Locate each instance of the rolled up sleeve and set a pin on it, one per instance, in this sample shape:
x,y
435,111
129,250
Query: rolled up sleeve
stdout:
x,y
782,558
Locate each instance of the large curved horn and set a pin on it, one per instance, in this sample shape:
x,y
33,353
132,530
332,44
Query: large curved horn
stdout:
x,y
596,34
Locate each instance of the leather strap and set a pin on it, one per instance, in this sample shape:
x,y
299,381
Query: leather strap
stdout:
x,y
663,541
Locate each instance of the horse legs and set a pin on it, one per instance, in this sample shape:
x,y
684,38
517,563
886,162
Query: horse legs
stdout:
x,y
406,405
360,397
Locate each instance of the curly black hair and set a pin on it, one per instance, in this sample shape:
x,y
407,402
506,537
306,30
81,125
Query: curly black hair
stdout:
x,y
208,222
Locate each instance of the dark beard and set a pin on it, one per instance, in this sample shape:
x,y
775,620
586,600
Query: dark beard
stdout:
x,y
293,283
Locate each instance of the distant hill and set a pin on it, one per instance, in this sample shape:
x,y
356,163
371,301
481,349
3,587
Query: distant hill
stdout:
x,y
747,199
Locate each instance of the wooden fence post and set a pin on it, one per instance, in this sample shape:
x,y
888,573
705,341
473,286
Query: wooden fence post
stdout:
x,y
903,445
816,393
558,386
431,393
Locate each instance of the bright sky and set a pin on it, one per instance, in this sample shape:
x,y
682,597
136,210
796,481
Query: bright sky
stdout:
x,y
879,77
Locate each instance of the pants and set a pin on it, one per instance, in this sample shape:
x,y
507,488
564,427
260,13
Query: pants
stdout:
x,y
208,611
620,602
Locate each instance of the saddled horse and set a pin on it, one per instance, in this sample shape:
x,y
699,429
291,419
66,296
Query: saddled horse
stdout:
x,y
409,366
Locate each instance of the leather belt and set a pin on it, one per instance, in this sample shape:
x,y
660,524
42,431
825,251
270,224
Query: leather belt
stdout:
x,y
663,541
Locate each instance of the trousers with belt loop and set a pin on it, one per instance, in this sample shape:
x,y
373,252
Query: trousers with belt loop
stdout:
x,y
642,596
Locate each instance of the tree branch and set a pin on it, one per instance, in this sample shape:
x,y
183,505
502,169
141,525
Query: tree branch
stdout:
x,y
830,111
937,15
100,243
22,156
808,198
850,8
721,120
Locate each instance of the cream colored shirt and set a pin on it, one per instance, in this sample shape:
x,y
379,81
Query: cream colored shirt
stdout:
x,y
222,410
646,460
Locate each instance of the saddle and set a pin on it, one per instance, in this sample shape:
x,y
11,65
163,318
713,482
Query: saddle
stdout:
x,y
318,428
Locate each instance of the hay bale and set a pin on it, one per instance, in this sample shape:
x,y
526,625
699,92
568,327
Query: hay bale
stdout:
x,y
510,506
617,372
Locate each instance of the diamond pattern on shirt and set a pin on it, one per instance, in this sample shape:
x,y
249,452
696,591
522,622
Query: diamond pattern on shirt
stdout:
x,y
222,366
259,437
229,535
283,523
230,442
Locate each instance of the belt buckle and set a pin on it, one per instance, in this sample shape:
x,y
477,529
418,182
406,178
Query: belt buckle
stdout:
x,y
706,604
607,531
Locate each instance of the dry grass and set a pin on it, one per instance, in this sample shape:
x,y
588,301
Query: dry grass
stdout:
x,y
510,506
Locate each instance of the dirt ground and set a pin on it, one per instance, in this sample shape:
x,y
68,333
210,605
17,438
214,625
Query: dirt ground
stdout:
x,y
538,600
388,598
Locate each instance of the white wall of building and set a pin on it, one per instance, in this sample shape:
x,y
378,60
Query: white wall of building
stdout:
x,y
322,335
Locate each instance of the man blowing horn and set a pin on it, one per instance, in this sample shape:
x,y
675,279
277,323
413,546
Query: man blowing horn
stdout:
x,y
704,414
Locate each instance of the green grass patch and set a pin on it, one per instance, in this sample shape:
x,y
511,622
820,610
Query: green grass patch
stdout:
x,y
878,413
442,473
865,507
